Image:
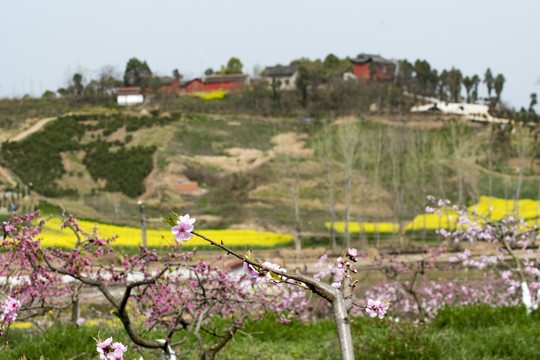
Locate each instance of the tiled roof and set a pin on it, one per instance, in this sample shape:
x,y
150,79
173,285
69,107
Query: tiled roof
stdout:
x,y
212,79
280,71
132,90
365,58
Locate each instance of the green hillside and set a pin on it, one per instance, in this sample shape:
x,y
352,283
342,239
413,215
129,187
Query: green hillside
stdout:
x,y
234,170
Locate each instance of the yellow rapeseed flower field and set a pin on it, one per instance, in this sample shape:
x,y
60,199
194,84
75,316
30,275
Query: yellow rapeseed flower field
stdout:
x,y
52,235
527,209
445,220
22,325
214,95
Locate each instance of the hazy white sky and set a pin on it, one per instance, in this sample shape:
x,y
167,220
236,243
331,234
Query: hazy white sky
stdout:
x,y
44,42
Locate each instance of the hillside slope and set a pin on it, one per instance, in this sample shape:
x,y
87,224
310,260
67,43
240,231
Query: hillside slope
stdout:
x,y
238,171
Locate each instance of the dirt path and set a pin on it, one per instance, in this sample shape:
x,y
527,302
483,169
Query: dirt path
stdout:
x,y
507,176
36,127
5,173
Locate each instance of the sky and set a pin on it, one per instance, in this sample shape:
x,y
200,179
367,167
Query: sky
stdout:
x,y
43,43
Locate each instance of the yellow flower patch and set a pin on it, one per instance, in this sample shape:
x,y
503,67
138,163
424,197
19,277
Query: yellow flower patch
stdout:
x,y
22,325
214,95
526,209
52,235
445,220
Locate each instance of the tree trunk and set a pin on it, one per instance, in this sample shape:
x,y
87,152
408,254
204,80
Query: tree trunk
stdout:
x,y
343,327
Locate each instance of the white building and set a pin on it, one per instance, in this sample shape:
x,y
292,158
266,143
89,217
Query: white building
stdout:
x,y
129,96
285,74
475,112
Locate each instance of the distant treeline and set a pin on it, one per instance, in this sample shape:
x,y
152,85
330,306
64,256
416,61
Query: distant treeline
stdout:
x,y
323,87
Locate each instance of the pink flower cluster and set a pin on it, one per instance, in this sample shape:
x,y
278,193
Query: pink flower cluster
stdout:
x,y
183,228
376,308
109,351
8,226
9,310
344,263
262,275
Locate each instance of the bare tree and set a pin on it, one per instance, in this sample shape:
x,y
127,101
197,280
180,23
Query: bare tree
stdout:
x,y
378,149
348,139
288,175
364,156
489,153
464,150
524,146
421,158
398,140
325,148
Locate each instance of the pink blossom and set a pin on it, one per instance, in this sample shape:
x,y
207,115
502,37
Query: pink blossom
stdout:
x,y
104,344
9,309
283,320
116,355
353,253
270,265
376,307
342,262
182,231
262,275
8,226
249,270
336,285
119,346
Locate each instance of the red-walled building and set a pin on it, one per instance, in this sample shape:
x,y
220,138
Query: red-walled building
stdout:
x,y
372,67
224,82
195,85
169,85
206,84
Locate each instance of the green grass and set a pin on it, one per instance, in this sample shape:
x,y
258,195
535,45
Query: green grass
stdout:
x,y
472,332
207,136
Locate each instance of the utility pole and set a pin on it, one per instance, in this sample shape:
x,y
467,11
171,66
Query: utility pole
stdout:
x,y
143,222
30,205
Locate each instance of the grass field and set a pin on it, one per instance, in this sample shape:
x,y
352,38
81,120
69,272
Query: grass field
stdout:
x,y
472,332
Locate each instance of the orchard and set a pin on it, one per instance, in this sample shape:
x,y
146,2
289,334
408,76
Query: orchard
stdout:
x,y
184,306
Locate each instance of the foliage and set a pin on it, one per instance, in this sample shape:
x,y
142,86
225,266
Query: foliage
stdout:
x,y
37,159
234,66
124,170
137,73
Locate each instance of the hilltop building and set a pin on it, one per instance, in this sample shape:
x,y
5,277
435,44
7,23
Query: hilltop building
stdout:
x,y
129,95
169,84
209,83
372,67
285,74
234,82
